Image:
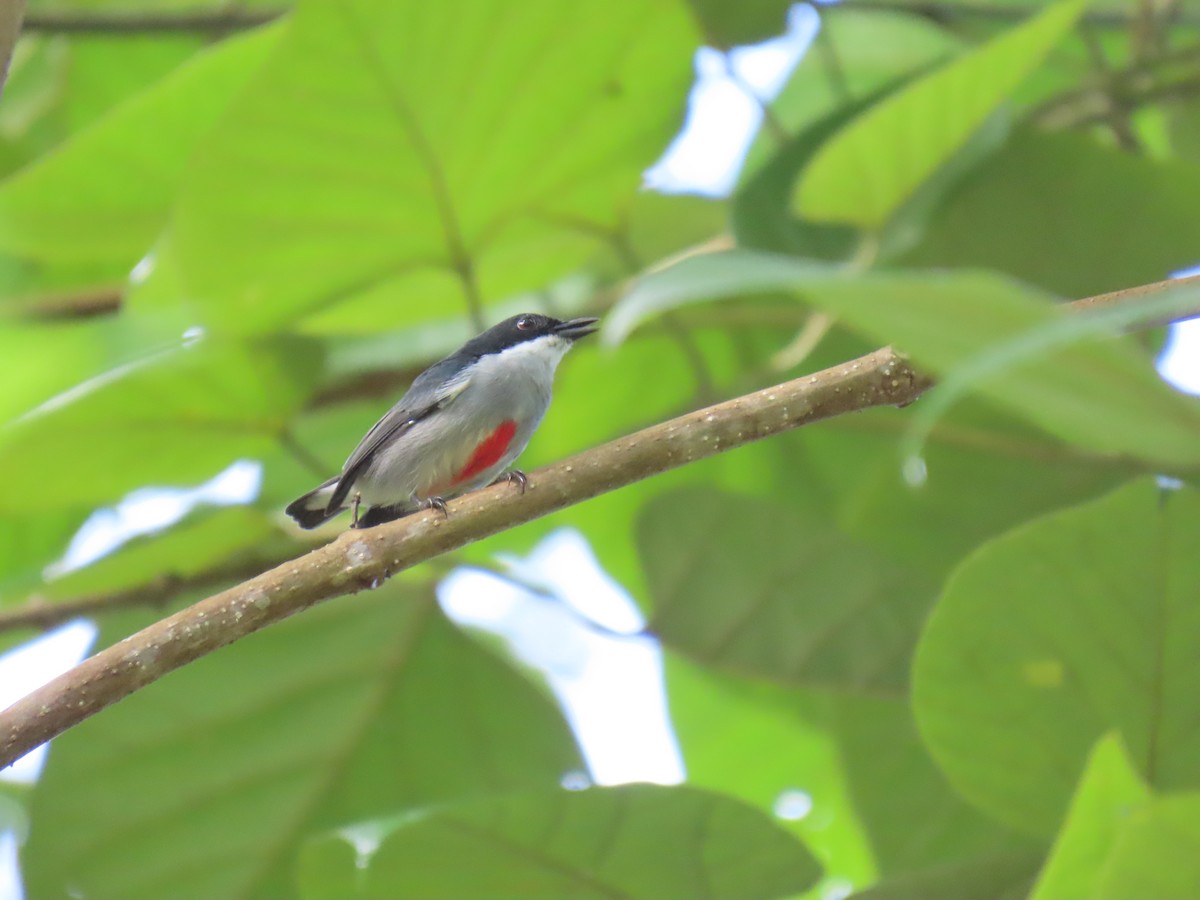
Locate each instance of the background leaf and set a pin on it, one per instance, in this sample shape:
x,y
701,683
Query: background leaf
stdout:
x,y
1023,667
431,187
632,841
923,125
204,784
750,587
1101,395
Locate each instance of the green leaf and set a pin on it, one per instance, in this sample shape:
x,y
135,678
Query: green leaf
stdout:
x,y
205,783
1157,854
430,146
636,841
1109,791
29,542
727,25
53,358
997,217
1056,633
105,194
887,787
1102,395
198,545
858,52
174,417
1001,877
752,588
1009,471
867,172
761,217
720,722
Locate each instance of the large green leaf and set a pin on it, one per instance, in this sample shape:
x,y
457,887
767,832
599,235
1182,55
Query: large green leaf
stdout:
x,y
176,417
192,548
867,172
986,474
636,841
754,588
388,150
1119,840
55,358
1157,854
29,542
205,783
887,787
725,25
1104,395
1004,876
720,722
1060,631
1108,792
105,194
857,53
998,217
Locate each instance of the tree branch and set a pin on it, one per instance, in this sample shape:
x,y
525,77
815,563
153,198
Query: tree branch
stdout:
x,y
358,560
37,612
10,29
1003,12
135,23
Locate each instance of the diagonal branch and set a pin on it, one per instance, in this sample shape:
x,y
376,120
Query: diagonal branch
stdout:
x,y
358,560
947,13
10,29
38,612
136,23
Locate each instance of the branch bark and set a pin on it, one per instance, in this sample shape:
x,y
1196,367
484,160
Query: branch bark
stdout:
x,y
118,23
11,13
38,612
134,23
359,560
1004,12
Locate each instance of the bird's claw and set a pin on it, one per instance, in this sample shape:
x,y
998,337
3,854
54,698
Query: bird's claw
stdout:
x,y
436,503
515,476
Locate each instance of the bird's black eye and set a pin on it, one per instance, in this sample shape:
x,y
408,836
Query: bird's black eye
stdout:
x,y
524,323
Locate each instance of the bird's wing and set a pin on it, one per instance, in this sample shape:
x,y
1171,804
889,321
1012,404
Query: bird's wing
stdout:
x,y
428,394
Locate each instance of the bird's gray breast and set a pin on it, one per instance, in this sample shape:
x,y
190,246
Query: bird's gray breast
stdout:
x,y
514,385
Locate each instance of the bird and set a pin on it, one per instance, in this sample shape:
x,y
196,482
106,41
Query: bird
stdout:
x,y
459,427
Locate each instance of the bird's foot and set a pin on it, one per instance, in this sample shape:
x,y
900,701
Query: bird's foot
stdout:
x,y
514,476
436,503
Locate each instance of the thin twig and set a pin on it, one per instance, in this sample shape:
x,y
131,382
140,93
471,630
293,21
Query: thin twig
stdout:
x,y
134,23
1112,89
1171,74
672,324
118,23
771,122
42,614
831,61
945,13
302,455
10,29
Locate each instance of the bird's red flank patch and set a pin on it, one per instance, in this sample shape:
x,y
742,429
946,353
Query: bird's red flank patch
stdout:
x,y
489,452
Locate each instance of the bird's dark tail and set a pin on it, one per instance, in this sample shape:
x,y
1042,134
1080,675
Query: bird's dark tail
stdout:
x,y
312,509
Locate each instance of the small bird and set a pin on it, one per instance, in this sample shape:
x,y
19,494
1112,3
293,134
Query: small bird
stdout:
x,y
460,426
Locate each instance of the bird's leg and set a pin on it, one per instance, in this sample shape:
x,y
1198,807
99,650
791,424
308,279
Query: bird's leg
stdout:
x,y
354,509
514,476
436,503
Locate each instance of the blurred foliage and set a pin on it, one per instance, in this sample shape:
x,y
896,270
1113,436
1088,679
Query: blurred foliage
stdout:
x,y
240,237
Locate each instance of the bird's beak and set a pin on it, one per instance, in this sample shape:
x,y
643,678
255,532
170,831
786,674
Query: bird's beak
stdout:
x,y
577,328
